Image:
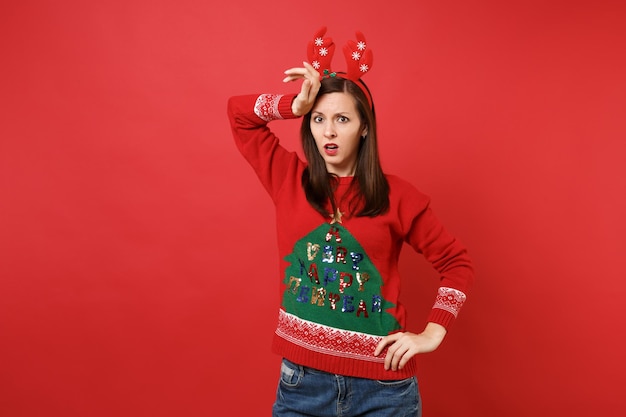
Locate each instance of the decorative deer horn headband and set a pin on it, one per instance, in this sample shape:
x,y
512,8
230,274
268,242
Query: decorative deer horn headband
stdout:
x,y
358,58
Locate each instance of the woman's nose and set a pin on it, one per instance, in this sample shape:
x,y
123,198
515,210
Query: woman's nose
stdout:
x,y
330,131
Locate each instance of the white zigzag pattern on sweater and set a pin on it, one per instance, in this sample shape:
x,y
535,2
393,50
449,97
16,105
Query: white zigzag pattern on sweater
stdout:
x,y
266,107
450,300
327,340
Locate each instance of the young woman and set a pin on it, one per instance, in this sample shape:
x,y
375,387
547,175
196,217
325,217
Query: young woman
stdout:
x,y
341,222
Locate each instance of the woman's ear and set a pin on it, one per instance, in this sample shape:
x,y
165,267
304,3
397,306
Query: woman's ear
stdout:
x,y
364,132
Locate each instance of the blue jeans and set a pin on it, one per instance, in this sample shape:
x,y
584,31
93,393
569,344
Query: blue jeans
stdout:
x,y
308,392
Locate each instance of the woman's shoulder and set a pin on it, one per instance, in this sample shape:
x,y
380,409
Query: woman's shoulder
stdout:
x,y
404,193
400,184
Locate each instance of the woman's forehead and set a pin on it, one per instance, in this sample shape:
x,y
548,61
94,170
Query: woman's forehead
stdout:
x,y
338,102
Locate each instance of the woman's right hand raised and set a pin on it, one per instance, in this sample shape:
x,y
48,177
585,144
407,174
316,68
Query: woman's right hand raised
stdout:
x,y
303,103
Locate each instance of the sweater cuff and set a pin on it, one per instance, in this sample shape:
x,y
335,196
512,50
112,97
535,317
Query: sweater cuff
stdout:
x,y
447,305
270,107
441,317
284,106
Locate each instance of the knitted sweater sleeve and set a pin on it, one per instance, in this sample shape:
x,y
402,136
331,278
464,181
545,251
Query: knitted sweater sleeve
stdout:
x,y
249,116
447,255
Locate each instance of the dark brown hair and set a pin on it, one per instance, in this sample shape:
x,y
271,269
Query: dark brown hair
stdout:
x,y
371,196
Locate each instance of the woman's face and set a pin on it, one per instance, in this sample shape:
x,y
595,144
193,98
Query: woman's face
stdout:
x,y
337,129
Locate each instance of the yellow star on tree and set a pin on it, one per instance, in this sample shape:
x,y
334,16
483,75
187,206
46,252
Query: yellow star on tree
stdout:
x,y
336,218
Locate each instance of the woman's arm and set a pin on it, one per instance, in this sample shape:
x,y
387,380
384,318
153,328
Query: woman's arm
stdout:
x,y
249,116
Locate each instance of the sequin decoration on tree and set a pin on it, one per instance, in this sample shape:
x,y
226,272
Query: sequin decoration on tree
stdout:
x,y
330,280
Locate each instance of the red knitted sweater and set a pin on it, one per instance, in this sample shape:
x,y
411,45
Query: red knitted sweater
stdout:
x,y
340,279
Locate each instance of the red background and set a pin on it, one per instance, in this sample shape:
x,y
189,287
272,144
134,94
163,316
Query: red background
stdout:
x,y
137,258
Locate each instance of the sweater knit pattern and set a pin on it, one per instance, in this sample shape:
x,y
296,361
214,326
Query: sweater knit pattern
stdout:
x,y
327,340
450,300
266,107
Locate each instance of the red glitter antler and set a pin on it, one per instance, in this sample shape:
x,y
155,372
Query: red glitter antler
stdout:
x,y
320,52
358,57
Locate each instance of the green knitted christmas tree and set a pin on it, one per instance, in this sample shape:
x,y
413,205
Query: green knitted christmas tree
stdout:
x,y
332,281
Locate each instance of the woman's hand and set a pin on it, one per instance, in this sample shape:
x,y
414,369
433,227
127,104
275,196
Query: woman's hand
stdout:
x,y
404,345
303,103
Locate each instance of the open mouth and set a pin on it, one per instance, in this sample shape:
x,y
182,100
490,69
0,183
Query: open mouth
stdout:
x,y
331,149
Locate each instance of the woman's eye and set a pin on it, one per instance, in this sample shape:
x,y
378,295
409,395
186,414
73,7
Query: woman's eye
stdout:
x,y
317,119
342,119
